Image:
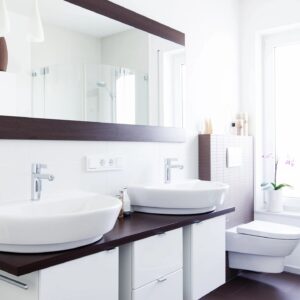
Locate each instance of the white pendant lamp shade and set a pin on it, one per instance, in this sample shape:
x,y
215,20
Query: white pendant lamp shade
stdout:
x,y
37,30
4,19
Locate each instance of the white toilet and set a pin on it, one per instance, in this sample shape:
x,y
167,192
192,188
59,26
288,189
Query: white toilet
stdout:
x,y
261,246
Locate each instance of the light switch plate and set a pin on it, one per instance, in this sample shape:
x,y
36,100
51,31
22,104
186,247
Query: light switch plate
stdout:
x,y
102,163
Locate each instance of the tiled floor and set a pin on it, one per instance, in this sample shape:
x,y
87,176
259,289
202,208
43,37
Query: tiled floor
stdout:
x,y
256,286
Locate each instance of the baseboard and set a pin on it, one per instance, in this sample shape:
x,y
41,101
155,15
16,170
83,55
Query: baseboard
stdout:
x,y
292,269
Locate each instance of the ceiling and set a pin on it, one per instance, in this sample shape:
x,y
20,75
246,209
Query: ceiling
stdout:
x,y
67,15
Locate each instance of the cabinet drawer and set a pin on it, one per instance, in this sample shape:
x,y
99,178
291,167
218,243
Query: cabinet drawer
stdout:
x,y
9,291
168,287
92,277
156,256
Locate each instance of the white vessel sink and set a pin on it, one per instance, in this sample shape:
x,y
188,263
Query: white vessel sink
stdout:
x,y
190,197
56,224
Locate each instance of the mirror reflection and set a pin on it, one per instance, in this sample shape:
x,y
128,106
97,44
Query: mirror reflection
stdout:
x,y
74,64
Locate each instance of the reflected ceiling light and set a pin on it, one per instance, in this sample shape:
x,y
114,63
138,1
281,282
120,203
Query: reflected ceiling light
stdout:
x,y
4,19
37,30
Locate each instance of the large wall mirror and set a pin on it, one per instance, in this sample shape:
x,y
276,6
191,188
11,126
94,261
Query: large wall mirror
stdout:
x,y
87,67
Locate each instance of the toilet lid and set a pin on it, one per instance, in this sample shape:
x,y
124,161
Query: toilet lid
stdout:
x,y
270,230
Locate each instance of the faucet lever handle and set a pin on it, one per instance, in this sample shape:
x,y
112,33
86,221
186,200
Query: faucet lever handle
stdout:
x,y
36,168
169,160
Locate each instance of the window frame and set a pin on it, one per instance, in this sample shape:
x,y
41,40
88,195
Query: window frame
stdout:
x,y
269,44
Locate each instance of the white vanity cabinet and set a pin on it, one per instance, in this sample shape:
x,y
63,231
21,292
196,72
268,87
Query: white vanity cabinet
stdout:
x,y
152,268
94,277
204,257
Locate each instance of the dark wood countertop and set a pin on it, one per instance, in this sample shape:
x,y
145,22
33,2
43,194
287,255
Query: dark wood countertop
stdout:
x,y
136,227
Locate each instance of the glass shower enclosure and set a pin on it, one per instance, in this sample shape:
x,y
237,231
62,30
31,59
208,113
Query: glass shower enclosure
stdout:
x,y
98,93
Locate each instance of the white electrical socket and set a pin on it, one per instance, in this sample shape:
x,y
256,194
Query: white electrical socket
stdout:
x,y
100,163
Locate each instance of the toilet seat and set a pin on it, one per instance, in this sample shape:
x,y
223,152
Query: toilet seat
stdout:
x,y
269,230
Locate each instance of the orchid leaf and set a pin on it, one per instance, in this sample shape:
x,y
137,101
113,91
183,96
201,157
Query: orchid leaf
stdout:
x,y
282,185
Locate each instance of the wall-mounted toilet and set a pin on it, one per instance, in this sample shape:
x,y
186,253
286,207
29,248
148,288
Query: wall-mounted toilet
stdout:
x,y
261,246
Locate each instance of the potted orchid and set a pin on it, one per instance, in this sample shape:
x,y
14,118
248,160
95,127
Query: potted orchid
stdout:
x,y
274,189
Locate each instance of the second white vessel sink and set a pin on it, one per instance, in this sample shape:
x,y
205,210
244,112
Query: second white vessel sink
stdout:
x,y
190,197
56,224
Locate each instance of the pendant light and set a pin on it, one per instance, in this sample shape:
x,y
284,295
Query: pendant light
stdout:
x,y
4,19
37,30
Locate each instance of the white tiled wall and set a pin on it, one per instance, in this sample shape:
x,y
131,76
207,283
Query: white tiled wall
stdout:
x,y
143,163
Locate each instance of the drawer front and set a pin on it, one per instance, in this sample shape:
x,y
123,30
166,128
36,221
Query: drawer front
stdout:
x,y
10,291
156,256
92,277
165,288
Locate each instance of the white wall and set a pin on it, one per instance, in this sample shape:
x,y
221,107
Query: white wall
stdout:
x,y
212,28
61,47
212,70
128,49
213,63
8,99
258,17
19,62
64,52
64,47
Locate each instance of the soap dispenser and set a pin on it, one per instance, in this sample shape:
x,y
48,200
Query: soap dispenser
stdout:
x,y
126,207
126,203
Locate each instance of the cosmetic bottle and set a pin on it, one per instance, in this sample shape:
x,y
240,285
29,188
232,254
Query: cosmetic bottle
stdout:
x,y
233,128
126,203
126,206
239,127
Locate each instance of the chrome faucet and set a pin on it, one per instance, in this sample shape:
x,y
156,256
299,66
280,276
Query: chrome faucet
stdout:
x,y
36,180
169,166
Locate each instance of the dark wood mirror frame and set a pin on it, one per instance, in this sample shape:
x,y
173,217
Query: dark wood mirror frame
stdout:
x,y
50,129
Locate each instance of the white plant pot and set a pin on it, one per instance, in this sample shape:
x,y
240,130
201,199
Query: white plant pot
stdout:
x,y
275,201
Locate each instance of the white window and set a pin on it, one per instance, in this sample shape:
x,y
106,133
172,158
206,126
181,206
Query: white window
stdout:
x,y
125,97
282,109
173,88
